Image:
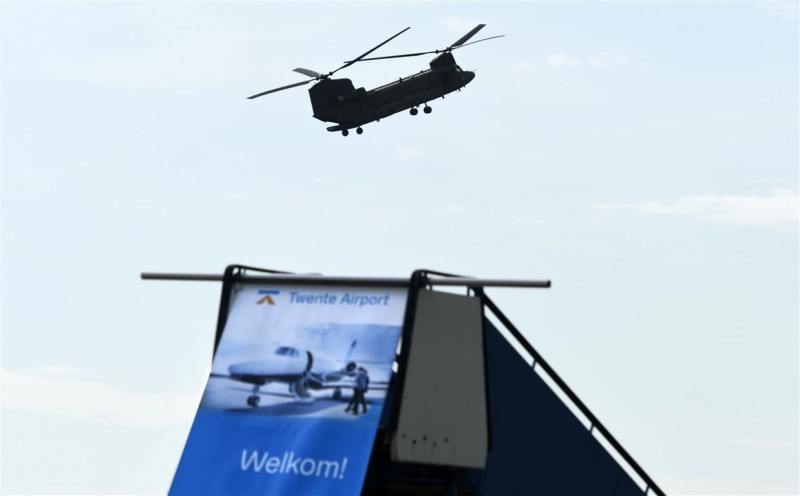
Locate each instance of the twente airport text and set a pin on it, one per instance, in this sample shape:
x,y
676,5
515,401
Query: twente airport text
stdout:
x,y
354,299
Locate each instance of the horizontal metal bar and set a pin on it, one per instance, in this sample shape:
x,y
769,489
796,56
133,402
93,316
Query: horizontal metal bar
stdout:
x,y
350,281
284,279
486,283
162,276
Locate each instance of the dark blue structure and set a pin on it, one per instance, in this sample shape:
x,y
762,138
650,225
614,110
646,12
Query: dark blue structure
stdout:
x,y
538,446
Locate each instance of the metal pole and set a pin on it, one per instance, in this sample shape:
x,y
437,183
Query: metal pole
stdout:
x,y
486,283
355,281
163,276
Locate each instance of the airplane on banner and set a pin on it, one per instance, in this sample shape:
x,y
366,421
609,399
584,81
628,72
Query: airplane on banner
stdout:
x,y
300,369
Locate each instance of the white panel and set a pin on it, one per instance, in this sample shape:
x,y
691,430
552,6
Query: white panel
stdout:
x,y
443,411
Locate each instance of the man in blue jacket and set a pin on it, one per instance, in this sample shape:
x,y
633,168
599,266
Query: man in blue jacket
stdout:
x,y
361,387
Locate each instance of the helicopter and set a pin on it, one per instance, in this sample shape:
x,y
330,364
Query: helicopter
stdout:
x,y
340,102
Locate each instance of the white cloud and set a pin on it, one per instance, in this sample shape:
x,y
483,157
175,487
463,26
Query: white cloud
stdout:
x,y
528,222
603,60
560,60
407,152
785,10
353,187
453,209
63,391
606,60
776,209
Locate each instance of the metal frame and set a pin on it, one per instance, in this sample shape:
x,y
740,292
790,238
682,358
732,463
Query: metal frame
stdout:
x,y
239,273
419,279
290,278
232,274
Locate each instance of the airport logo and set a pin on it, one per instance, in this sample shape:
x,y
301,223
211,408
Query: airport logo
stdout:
x,y
267,298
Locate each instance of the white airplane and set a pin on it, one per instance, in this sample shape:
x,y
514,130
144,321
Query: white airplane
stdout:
x,y
300,369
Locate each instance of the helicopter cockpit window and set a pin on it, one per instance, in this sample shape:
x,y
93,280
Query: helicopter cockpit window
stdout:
x,y
458,69
287,351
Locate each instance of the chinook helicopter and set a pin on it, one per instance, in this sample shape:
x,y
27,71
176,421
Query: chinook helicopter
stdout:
x,y
338,101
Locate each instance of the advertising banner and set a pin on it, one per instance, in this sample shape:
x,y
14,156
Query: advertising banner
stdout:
x,y
295,392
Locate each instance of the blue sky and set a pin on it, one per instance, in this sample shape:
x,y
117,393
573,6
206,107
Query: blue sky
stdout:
x,y
642,156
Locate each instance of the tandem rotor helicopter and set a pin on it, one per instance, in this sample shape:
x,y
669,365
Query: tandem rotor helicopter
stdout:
x,y
338,101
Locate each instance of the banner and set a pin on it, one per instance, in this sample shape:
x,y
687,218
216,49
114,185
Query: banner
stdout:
x,y
295,393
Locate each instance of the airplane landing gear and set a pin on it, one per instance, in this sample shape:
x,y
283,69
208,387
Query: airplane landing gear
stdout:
x,y
299,389
427,109
414,111
345,132
254,398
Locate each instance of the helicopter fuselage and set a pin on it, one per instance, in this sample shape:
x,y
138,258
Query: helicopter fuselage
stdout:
x,y
338,101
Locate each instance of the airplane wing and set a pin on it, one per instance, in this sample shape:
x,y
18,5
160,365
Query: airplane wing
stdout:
x,y
377,385
245,389
260,378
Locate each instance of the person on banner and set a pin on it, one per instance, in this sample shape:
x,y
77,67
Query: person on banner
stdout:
x,y
353,405
353,400
362,383
361,387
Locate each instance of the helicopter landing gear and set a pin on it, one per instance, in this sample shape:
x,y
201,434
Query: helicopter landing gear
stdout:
x,y
345,132
427,109
414,111
359,130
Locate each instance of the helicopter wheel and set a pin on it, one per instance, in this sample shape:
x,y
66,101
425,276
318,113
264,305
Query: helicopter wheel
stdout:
x,y
359,130
427,109
345,132
414,111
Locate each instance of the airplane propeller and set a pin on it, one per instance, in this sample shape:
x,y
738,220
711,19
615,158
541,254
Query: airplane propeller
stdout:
x,y
459,43
319,77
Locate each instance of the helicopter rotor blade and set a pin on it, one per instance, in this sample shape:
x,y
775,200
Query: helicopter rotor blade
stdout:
x,y
478,41
467,36
360,57
280,89
397,56
454,46
307,72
